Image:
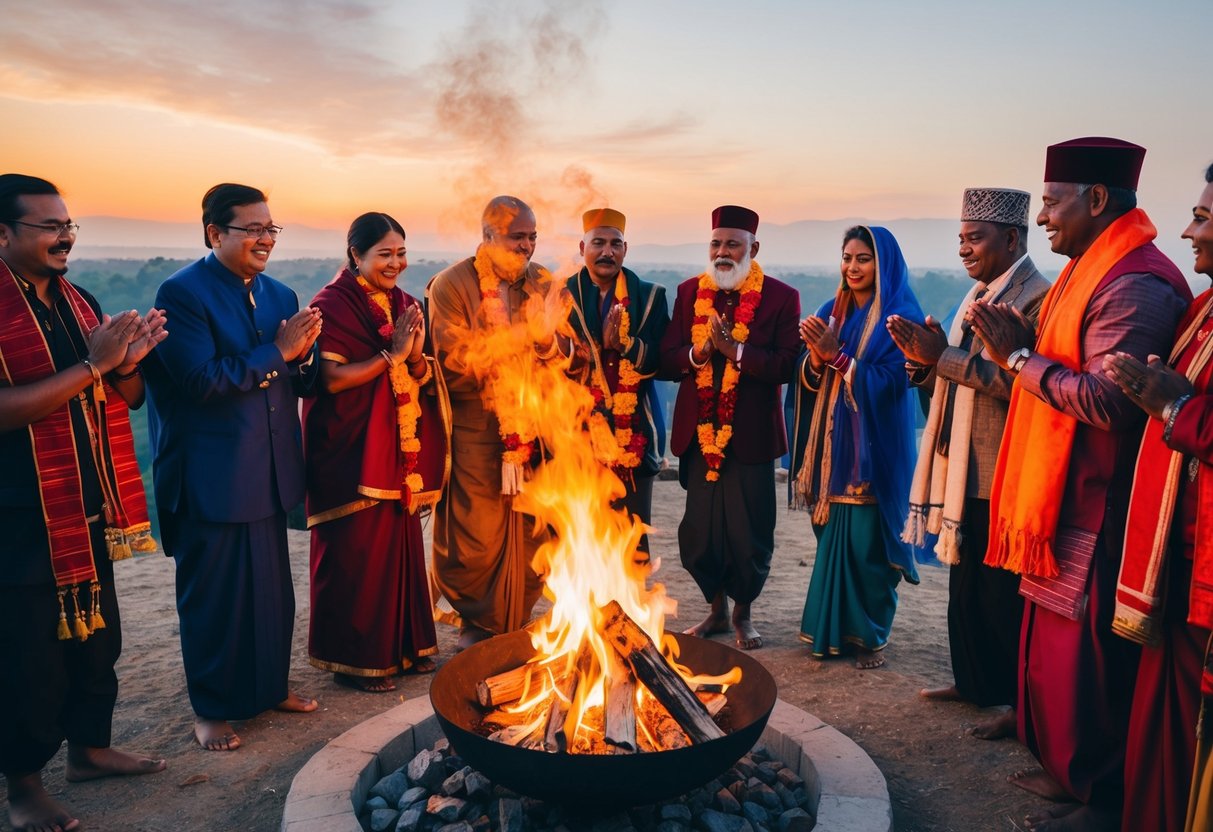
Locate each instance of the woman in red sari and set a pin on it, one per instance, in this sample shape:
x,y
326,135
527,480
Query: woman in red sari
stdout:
x,y
371,615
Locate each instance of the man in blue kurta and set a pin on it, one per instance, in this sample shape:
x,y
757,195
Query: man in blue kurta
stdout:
x,y
228,467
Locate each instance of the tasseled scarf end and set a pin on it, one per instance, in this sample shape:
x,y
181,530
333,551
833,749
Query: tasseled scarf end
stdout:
x,y
1022,552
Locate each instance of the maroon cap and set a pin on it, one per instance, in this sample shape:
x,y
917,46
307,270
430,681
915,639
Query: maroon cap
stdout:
x,y
734,216
1095,160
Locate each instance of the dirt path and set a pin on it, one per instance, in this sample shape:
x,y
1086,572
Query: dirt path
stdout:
x,y
939,778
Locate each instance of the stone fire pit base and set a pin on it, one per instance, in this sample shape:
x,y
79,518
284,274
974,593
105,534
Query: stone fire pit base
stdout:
x,y
849,792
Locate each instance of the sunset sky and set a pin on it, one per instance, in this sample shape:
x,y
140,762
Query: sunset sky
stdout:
x,y
801,110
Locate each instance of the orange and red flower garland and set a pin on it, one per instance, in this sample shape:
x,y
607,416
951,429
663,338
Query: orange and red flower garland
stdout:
x,y
405,388
623,403
716,423
519,444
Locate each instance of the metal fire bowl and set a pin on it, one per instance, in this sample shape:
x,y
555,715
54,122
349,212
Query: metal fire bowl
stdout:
x,y
599,780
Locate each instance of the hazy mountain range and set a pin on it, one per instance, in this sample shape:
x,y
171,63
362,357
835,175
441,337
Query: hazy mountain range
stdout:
x,y
927,243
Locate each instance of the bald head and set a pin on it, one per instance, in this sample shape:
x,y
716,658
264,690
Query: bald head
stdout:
x,y
509,234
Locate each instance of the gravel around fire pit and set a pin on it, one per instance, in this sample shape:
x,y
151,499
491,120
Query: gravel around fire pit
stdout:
x,y
436,792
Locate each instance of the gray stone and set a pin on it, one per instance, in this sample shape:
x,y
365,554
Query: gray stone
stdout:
x,y
391,787
745,768
410,819
482,823
785,795
739,790
796,820
452,785
755,813
726,802
459,826
446,809
762,793
414,795
383,819
510,817
761,754
442,745
790,778
768,771
426,769
675,811
375,803
478,786
672,826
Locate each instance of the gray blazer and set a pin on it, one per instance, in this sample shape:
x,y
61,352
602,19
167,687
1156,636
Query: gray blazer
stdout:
x,y
1025,290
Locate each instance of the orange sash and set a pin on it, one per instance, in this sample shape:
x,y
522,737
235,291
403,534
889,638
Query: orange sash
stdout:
x,y
1034,457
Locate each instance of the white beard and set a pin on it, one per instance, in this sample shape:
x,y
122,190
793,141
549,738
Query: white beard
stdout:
x,y
729,279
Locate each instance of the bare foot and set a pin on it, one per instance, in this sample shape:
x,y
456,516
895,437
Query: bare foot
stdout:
x,y
296,704
948,694
717,621
370,684
1003,725
866,659
31,808
84,763
422,665
1041,784
747,636
215,735
1073,817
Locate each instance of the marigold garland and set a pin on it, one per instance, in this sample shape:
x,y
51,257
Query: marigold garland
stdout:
x,y
715,427
629,441
519,444
404,386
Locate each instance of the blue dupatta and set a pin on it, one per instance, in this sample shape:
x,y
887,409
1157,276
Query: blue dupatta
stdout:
x,y
879,402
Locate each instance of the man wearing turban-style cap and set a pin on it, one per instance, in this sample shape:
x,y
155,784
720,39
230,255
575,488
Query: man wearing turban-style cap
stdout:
x,y
619,320
731,343
950,494
1065,466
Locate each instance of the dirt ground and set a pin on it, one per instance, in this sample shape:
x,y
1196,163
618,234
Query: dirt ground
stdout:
x,y
939,778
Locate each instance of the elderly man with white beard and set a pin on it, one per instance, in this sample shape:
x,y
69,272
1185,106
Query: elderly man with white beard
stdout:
x,y
731,343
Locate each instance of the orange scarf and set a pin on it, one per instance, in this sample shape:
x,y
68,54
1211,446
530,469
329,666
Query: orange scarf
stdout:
x,y
1034,458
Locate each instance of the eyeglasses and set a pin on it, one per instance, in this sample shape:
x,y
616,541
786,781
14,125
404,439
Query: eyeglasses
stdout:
x,y
257,231
56,228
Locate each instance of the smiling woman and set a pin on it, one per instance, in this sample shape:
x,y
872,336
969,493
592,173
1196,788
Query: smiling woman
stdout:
x,y
853,450
375,448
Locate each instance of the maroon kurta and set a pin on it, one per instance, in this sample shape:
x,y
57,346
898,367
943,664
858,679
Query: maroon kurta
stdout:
x,y
371,613
1076,677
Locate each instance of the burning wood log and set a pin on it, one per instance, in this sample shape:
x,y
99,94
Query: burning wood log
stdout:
x,y
619,714
714,702
556,739
505,687
651,668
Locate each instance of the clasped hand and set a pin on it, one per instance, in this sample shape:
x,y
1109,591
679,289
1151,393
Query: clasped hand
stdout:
x,y
1002,329
1150,386
921,344
820,340
125,339
297,334
408,336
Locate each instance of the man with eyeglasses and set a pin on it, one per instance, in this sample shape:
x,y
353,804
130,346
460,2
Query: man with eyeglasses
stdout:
x,y
68,506
224,396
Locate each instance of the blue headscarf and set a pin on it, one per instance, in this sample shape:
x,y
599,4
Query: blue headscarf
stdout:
x,y
884,404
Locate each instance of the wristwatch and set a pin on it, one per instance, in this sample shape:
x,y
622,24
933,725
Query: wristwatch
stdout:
x,y
1017,359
